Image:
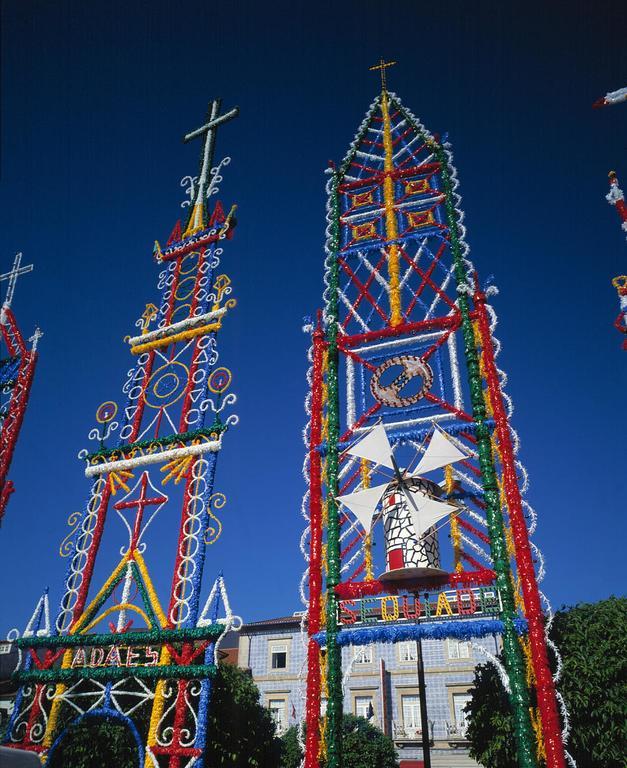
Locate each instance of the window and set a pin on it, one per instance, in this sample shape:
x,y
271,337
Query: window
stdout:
x,y
363,654
407,652
5,648
411,712
364,707
278,656
458,649
278,710
461,718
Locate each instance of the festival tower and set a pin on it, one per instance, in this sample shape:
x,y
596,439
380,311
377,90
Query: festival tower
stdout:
x,y
115,650
410,444
17,370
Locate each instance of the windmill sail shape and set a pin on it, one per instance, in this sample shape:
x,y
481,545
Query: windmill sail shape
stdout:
x,y
439,453
427,511
375,446
363,503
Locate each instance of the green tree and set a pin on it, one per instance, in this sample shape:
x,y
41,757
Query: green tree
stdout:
x,y
96,743
365,746
240,731
592,639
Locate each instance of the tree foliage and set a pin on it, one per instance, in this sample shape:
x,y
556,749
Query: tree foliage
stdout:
x,y
365,746
96,743
592,639
240,731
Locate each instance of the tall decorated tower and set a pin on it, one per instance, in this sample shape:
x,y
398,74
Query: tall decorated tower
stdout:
x,y
115,649
410,443
17,370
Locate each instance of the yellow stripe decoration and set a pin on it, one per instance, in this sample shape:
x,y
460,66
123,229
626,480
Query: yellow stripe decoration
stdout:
x,y
120,607
192,333
365,483
158,705
391,228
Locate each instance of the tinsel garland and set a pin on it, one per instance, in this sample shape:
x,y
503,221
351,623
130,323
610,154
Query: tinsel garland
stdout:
x,y
150,637
312,713
435,630
154,445
170,671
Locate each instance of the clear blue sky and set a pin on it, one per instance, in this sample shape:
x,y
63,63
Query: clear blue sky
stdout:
x,y
95,99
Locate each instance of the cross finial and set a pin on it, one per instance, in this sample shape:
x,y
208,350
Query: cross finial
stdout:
x,y
140,503
214,120
16,270
382,66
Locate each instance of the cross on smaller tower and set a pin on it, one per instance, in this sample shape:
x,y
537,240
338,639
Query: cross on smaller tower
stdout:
x,y
141,503
11,276
382,65
209,130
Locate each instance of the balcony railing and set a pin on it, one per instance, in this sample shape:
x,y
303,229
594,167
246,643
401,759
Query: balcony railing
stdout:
x,y
438,729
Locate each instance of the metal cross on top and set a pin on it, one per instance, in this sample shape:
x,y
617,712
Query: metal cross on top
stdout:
x,y
214,120
141,503
382,65
12,276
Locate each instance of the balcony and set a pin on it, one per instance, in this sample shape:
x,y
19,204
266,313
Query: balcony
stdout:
x,y
405,734
456,734
442,731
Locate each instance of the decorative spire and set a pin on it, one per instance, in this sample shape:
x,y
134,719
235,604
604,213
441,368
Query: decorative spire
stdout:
x,y
214,120
11,276
382,66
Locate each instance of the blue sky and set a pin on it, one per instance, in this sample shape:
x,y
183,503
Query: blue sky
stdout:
x,y
95,100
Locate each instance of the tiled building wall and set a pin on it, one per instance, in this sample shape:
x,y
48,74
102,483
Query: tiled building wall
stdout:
x,y
445,677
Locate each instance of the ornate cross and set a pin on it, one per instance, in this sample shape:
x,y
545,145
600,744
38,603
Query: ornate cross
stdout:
x,y
141,503
382,65
12,276
214,120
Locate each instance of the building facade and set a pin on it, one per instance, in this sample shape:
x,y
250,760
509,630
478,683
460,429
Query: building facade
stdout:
x,y
380,683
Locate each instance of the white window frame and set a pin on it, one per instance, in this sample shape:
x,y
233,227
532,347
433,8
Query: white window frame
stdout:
x,y
363,701
458,650
279,646
281,720
407,648
416,725
462,722
362,654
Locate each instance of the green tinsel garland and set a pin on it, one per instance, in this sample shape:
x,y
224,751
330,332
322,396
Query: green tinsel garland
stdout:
x,y
106,674
183,437
334,653
149,637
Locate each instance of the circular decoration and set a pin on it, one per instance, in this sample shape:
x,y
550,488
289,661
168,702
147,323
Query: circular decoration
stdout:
x,y
411,367
219,380
166,385
106,412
